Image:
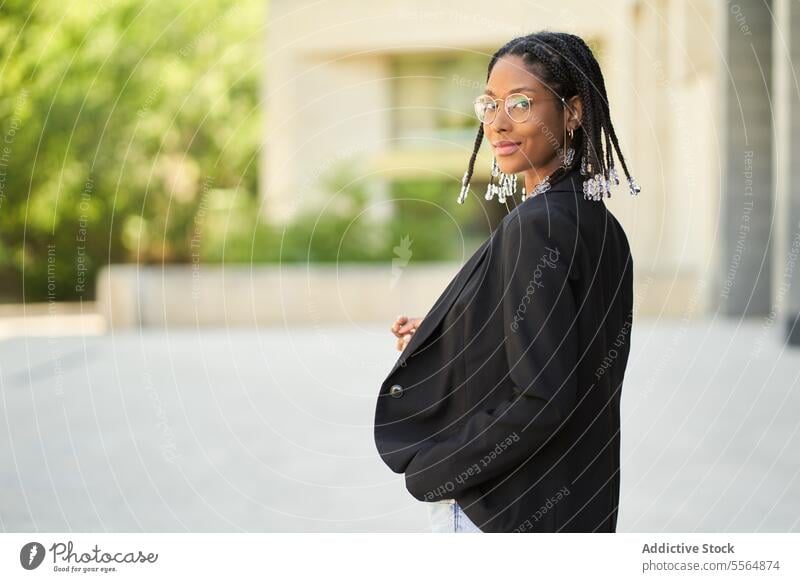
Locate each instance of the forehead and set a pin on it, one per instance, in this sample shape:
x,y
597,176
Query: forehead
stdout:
x,y
511,74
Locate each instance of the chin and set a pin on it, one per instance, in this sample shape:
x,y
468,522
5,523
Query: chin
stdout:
x,y
509,166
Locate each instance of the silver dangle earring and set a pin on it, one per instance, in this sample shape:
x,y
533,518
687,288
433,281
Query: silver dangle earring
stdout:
x,y
505,189
569,155
593,188
491,188
508,184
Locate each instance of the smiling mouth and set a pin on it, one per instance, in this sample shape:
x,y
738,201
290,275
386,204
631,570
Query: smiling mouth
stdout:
x,y
506,148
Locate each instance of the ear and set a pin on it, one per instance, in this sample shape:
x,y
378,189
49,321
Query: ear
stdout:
x,y
574,112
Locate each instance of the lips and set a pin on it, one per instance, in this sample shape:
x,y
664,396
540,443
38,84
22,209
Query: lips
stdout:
x,y
504,148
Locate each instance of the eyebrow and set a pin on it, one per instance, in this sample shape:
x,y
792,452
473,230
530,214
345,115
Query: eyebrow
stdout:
x,y
514,90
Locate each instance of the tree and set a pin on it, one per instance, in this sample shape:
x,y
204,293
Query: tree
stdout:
x,y
119,122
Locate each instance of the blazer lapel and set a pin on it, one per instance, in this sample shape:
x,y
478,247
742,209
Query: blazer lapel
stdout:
x,y
569,183
442,305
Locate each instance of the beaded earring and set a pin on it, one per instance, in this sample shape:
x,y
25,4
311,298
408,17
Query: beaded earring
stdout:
x,y
505,189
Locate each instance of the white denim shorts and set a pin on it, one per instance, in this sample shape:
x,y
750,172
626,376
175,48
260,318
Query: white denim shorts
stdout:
x,y
446,516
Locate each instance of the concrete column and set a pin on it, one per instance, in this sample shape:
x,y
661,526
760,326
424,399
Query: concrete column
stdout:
x,y
786,263
746,206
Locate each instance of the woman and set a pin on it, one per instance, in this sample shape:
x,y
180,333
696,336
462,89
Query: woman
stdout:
x,y
503,407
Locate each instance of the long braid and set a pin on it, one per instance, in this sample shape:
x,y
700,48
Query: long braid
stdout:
x,y
593,80
566,65
608,127
476,147
597,117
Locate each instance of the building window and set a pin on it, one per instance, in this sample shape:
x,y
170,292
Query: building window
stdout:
x,y
431,98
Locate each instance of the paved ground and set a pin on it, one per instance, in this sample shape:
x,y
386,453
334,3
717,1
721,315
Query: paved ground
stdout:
x,y
270,430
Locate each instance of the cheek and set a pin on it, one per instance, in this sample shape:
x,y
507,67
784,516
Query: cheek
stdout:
x,y
542,133
546,124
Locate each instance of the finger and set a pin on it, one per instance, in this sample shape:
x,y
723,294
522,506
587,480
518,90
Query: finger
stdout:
x,y
401,320
408,327
403,330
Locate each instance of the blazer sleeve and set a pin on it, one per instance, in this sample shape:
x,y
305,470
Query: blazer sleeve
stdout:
x,y
541,344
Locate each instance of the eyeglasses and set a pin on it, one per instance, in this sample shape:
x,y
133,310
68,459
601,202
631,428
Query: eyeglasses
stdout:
x,y
517,106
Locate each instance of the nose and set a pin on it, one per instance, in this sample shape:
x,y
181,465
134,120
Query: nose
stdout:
x,y
501,122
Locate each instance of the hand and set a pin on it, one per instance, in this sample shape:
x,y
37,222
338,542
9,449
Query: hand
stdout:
x,y
403,328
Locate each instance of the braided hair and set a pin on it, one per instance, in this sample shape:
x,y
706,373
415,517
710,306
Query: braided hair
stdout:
x,y
566,65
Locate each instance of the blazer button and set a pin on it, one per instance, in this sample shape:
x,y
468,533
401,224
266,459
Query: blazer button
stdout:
x,y
396,391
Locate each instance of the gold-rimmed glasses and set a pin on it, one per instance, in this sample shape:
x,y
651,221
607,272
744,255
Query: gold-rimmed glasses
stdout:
x,y
517,106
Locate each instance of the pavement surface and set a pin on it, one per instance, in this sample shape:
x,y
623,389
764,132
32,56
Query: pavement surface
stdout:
x,y
270,430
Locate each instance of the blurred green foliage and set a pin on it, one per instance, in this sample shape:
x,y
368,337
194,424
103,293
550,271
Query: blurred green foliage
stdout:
x,y
113,115
423,226
129,132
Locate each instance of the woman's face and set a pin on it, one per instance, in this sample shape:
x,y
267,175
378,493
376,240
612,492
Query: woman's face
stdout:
x,y
539,139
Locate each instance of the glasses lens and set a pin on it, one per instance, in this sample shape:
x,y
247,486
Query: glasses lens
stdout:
x,y
518,107
484,108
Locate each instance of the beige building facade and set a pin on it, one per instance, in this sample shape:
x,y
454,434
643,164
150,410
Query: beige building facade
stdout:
x,y
385,90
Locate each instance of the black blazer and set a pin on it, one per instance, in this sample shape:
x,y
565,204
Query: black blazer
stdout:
x,y
512,408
